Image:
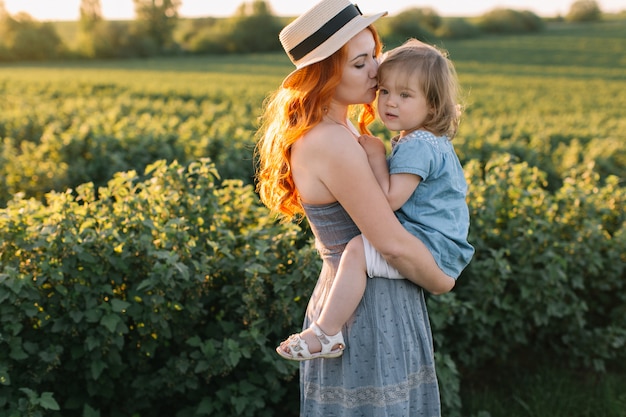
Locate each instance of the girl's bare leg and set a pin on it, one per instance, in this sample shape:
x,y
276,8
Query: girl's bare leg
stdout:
x,y
345,294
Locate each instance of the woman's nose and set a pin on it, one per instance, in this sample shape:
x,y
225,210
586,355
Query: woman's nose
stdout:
x,y
374,69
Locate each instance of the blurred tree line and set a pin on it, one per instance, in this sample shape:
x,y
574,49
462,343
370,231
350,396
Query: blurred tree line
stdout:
x,y
158,30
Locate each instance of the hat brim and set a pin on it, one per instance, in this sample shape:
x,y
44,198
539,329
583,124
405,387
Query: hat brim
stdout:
x,y
335,42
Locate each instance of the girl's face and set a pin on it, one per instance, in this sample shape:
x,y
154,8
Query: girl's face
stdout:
x,y
358,82
402,104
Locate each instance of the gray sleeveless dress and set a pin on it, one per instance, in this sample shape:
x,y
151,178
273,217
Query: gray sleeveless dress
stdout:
x,y
387,369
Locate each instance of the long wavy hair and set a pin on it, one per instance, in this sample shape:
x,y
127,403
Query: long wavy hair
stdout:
x,y
289,113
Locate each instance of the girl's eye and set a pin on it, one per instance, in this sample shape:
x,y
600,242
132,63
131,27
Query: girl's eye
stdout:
x,y
360,66
383,91
404,95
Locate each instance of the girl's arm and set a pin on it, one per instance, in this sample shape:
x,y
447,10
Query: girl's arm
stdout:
x,y
377,158
346,173
398,187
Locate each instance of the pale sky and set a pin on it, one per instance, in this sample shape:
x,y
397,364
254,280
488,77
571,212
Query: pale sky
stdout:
x,y
123,9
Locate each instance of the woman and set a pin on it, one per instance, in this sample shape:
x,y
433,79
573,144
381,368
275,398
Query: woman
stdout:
x,y
310,162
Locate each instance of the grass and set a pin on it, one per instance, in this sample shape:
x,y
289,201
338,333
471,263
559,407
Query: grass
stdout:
x,y
558,49
548,390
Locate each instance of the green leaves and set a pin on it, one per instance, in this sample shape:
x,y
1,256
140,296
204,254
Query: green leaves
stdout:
x,y
166,278
188,286
35,403
545,268
62,134
111,321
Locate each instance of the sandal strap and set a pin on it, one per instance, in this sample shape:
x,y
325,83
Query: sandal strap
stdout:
x,y
327,342
298,346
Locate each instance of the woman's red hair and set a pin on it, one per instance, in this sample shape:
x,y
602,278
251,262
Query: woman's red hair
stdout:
x,y
289,113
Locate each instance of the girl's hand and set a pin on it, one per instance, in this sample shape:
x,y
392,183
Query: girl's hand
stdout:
x,y
372,145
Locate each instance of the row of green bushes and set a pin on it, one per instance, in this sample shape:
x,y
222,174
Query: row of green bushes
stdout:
x,y
160,297
166,294
252,29
24,39
59,136
427,25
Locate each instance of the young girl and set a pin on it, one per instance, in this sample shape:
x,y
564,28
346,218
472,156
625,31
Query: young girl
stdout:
x,y
424,184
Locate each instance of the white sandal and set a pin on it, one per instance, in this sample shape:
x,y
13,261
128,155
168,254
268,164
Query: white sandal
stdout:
x,y
299,350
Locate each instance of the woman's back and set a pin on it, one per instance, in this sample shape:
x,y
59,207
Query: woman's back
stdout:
x,y
312,159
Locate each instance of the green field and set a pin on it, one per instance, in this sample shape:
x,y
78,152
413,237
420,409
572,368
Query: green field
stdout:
x,y
554,100
545,97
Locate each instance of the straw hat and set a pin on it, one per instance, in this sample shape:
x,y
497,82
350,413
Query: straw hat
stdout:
x,y
323,30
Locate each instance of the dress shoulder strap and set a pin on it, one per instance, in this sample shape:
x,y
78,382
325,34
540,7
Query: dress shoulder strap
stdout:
x,y
352,131
347,125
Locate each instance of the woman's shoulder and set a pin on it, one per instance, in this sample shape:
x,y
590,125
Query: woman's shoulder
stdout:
x,y
329,136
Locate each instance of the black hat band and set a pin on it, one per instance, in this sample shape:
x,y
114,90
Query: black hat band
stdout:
x,y
326,31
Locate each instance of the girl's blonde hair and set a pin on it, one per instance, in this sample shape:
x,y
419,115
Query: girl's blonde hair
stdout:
x,y
437,79
289,113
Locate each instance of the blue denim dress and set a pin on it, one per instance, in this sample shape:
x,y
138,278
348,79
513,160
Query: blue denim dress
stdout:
x,y
387,369
437,212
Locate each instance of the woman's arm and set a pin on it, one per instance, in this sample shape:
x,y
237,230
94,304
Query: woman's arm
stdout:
x,y
346,173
